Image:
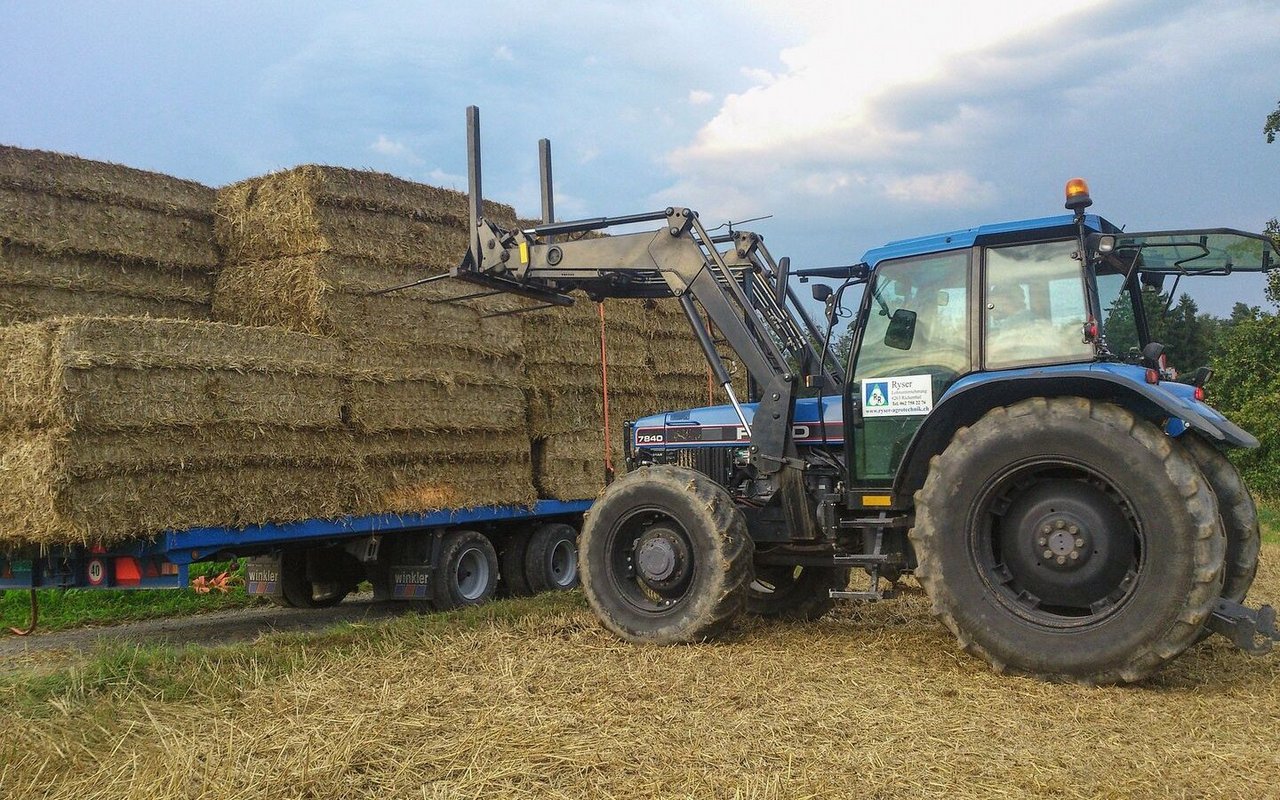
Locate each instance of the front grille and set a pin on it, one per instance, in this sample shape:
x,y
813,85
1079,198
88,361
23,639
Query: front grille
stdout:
x,y
714,462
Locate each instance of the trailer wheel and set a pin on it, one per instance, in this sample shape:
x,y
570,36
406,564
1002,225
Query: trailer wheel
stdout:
x,y
551,559
794,592
665,556
1067,539
512,553
468,570
1239,516
297,591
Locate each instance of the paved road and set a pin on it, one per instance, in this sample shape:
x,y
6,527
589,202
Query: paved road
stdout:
x,y
219,627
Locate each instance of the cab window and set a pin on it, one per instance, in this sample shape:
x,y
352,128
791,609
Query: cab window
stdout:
x,y
1034,307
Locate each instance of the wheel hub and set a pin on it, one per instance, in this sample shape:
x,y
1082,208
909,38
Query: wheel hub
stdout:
x,y
1064,541
661,558
1065,545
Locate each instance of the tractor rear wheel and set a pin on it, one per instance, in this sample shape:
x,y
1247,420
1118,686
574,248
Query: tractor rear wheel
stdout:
x,y
1069,540
794,592
665,556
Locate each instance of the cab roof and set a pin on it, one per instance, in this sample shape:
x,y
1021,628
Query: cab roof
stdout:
x,y
996,233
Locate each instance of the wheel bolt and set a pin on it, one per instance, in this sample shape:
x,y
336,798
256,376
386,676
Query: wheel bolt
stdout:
x,y
1060,525
1062,560
1075,554
1046,530
1043,541
1048,554
1073,530
1079,542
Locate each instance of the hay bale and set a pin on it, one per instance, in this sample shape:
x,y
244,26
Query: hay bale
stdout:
x,y
569,466
417,471
352,213
331,296
20,304
26,266
55,491
434,405
69,225
63,175
106,374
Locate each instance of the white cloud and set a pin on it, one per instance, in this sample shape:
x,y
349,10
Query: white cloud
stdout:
x,y
386,146
952,188
503,53
448,180
699,97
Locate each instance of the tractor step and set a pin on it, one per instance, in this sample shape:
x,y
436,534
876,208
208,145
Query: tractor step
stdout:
x,y
866,597
1252,630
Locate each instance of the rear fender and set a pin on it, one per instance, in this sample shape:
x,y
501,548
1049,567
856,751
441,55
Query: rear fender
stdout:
x,y
1125,385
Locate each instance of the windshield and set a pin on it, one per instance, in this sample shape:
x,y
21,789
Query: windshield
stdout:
x,y
1219,251
1191,287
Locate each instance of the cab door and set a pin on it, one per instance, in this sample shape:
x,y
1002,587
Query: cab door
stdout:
x,y
916,341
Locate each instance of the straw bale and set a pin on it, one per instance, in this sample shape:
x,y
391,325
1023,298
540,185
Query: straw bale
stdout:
x,y
330,296
131,373
315,209
430,405
25,266
79,453
434,485
569,466
70,225
22,304
102,182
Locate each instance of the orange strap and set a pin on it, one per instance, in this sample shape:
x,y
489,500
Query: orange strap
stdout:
x,y
604,385
31,625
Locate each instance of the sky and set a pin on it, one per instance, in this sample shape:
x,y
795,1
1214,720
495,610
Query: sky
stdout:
x,y
852,124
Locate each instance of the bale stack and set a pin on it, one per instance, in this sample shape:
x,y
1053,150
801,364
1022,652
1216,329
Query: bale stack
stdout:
x,y
434,390
111,428
86,237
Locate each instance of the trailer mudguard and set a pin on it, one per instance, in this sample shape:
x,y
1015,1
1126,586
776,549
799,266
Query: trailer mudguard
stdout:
x,y
1171,405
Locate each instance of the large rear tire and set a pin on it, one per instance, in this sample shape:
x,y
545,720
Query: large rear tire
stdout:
x,y
665,556
1068,540
794,592
512,552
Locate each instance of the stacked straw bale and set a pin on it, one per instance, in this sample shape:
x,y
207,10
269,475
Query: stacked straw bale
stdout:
x,y
434,390
86,237
111,428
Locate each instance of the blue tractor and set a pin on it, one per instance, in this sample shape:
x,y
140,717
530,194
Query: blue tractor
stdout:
x,y
986,421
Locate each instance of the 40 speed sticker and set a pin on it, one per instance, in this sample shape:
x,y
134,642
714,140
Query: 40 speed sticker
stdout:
x,y
902,396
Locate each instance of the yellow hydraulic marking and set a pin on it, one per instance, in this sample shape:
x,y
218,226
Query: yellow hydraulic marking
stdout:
x,y
877,500
524,252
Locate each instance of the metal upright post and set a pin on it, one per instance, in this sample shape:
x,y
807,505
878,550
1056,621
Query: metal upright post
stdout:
x,y
473,177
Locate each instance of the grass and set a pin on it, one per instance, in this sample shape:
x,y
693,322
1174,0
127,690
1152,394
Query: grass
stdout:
x,y
531,697
1269,517
62,609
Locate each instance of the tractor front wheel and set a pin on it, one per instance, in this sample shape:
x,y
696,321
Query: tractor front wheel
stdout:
x,y
665,556
1069,540
794,592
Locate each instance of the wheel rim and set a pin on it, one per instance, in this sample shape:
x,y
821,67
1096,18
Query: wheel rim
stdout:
x,y
650,560
472,575
564,564
1057,543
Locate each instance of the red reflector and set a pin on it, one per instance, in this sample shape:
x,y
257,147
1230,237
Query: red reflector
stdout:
x,y
1153,376
1200,393
127,571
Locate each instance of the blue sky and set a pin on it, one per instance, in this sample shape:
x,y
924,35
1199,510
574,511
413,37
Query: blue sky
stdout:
x,y
852,123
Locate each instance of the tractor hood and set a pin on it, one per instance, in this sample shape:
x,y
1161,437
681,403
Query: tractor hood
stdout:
x,y
719,426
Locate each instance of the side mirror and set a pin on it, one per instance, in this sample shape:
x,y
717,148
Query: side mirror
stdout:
x,y
902,330
783,274
821,292
1151,281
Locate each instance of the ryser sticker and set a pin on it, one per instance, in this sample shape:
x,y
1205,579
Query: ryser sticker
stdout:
x,y
897,397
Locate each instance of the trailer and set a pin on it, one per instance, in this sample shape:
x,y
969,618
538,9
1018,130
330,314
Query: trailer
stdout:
x,y
440,559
